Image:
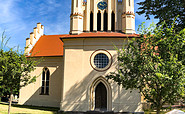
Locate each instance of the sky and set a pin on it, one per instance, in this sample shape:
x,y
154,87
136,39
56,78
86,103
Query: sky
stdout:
x,y
19,17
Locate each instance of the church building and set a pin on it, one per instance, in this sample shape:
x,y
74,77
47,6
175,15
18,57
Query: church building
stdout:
x,y
72,74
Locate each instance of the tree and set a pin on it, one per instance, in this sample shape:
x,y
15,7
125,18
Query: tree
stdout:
x,y
153,64
164,10
15,71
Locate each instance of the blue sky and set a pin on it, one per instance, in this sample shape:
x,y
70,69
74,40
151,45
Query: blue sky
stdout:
x,y
19,17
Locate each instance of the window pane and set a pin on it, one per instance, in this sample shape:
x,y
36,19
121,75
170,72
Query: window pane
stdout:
x,y
45,69
47,90
47,75
43,75
101,60
47,83
43,83
42,90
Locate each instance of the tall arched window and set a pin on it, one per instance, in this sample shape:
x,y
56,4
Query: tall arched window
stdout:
x,y
76,3
113,22
99,21
129,2
105,21
91,21
45,82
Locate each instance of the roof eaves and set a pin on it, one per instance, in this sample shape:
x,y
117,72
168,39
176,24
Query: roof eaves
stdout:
x,y
100,37
44,56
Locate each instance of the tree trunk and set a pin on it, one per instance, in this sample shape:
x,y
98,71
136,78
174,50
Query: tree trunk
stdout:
x,y
10,102
158,110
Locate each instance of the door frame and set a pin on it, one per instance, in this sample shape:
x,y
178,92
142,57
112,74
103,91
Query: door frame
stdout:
x,y
92,93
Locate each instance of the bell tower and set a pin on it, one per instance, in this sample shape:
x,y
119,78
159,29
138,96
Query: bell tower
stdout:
x,y
76,18
102,16
128,17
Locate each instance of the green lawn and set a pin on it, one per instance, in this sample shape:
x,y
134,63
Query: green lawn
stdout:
x,y
20,109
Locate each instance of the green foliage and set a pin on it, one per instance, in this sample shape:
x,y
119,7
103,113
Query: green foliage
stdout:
x,y
164,10
154,64
15,69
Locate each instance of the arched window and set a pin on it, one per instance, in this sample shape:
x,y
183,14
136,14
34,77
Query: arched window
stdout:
x,y
113,22
105,21
76,3
45,82
91,22
129,2
99,21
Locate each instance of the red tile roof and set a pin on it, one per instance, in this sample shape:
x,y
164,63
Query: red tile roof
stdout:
x,y
48,45
52,45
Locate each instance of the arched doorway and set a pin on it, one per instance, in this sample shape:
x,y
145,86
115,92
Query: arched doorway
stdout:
x,y
101,97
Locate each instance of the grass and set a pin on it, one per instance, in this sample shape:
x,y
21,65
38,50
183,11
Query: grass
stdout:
x,y
22,109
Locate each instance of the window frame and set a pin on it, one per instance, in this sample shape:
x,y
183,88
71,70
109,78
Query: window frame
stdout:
x,y
45,78
98,52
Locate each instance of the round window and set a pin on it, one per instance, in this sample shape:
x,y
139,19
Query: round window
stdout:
x,y
101,60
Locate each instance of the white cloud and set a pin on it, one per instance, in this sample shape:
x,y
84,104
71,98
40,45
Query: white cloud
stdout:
x,y
10,20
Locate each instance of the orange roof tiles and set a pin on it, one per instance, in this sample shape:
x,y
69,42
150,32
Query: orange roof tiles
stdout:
x,y
52,45
48,45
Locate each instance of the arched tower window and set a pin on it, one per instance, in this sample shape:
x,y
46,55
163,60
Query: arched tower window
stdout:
x,y
129,2
76,3
105,21
91,21
113,22
45,82
99,21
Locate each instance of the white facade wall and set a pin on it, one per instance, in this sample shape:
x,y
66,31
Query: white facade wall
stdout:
x,y
79,77
30,95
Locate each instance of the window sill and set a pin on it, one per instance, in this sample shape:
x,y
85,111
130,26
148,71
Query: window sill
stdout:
x,y
44,94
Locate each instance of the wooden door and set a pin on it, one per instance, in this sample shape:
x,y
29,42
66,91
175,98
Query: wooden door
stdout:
x,y
101,97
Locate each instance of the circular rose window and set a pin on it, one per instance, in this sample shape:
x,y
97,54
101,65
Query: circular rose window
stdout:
x,y
101,60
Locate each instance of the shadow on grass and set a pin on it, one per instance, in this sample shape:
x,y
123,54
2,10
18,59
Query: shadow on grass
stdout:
x,y
52,109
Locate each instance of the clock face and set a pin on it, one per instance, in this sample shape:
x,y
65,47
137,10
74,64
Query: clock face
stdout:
x,y
102,5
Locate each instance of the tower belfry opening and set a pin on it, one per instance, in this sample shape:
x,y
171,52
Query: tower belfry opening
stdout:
x,y
102,15
91,22
99,21
105,21
113,21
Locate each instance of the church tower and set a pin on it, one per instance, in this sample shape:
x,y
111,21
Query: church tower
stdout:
x,y
103,16
76,22
128,17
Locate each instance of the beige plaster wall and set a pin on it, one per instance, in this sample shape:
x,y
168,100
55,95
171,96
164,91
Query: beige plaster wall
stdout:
x,y
30,95
79,76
